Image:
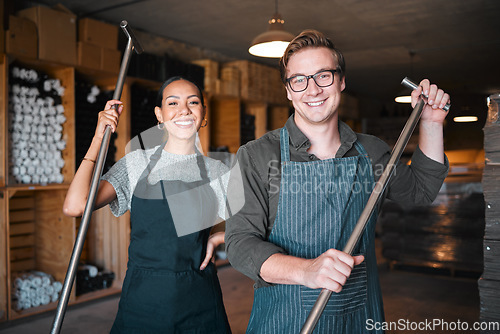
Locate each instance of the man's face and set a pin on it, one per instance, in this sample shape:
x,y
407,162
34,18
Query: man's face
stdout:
x,y
315,105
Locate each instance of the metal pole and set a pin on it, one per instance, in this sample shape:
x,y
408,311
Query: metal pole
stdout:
x,y
374,198
89,206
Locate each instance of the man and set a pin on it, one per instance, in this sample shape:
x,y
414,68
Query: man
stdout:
x,y
305,186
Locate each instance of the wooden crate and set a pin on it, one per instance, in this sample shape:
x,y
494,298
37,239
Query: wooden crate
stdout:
x,y
22,231
67,77
278,115
108,239
40,238
4,264
259,83
259,110
229,82
3,119
226,118
211,74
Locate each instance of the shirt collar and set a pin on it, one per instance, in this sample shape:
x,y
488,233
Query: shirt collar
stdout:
x,y
300,142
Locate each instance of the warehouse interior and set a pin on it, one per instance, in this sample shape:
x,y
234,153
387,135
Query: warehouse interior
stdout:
x,y
435,262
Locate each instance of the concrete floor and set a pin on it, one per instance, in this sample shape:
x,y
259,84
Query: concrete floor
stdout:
x,y
408,295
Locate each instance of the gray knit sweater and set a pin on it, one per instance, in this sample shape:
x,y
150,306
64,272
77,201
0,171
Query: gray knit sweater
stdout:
x,y
125,174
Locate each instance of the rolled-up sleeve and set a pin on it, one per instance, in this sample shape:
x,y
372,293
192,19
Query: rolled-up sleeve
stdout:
x,y
247,230
418,183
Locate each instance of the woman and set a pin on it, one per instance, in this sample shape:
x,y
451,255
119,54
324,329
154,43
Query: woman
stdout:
x,y
174,195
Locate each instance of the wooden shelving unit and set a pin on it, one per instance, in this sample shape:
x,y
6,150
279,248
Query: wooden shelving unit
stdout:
x,y
34,233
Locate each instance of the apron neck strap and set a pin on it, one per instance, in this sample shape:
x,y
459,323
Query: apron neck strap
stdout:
x,y
284,144
361,150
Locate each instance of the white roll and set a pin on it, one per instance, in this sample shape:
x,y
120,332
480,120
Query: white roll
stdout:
x,y
59,178
92,269
61,145
60,118
28,119
15,72
47,85
45,299
57,286
32,293
26,179
32,153
49,101
26,304
49,289
18,109
35,302
36,281
18,282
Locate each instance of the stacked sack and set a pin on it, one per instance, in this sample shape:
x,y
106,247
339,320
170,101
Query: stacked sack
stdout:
x,y
36,115
34,288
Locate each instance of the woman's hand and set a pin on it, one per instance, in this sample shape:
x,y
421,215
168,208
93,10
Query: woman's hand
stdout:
x,y
213,241
109,116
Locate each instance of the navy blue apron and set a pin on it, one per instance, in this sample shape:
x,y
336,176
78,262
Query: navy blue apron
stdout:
x,y
319,205
164,291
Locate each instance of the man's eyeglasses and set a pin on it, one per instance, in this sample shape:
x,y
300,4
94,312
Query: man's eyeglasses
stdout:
x,y
299,83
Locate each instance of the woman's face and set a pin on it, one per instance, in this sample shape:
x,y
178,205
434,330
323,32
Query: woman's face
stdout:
x,y
181,110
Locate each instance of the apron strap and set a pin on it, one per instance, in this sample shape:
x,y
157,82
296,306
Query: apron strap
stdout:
x,y
361,150
284,146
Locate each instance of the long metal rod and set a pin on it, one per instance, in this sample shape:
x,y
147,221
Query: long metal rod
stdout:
x,y
374,198
89,206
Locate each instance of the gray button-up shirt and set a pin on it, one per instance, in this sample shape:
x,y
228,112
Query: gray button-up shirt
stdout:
x,y
248,230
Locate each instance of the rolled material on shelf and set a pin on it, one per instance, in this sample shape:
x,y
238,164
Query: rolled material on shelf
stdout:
x,y
33,289
36,115
89,278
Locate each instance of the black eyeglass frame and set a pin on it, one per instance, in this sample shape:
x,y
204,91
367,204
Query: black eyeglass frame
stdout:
x,y
313,76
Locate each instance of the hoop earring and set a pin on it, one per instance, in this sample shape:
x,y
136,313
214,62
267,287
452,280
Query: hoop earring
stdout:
x,y
160,126
206,123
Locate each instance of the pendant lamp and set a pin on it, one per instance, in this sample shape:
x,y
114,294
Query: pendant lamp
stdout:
x,y
272,43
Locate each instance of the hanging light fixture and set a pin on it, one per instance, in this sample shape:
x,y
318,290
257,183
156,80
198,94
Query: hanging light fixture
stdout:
x,y
464,119
404,97
272,43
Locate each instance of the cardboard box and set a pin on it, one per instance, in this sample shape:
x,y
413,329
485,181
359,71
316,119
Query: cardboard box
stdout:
x,y
110,60
21,38
89,55
56,34
98,33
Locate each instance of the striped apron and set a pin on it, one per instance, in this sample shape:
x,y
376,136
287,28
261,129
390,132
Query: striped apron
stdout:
x,y
319,205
